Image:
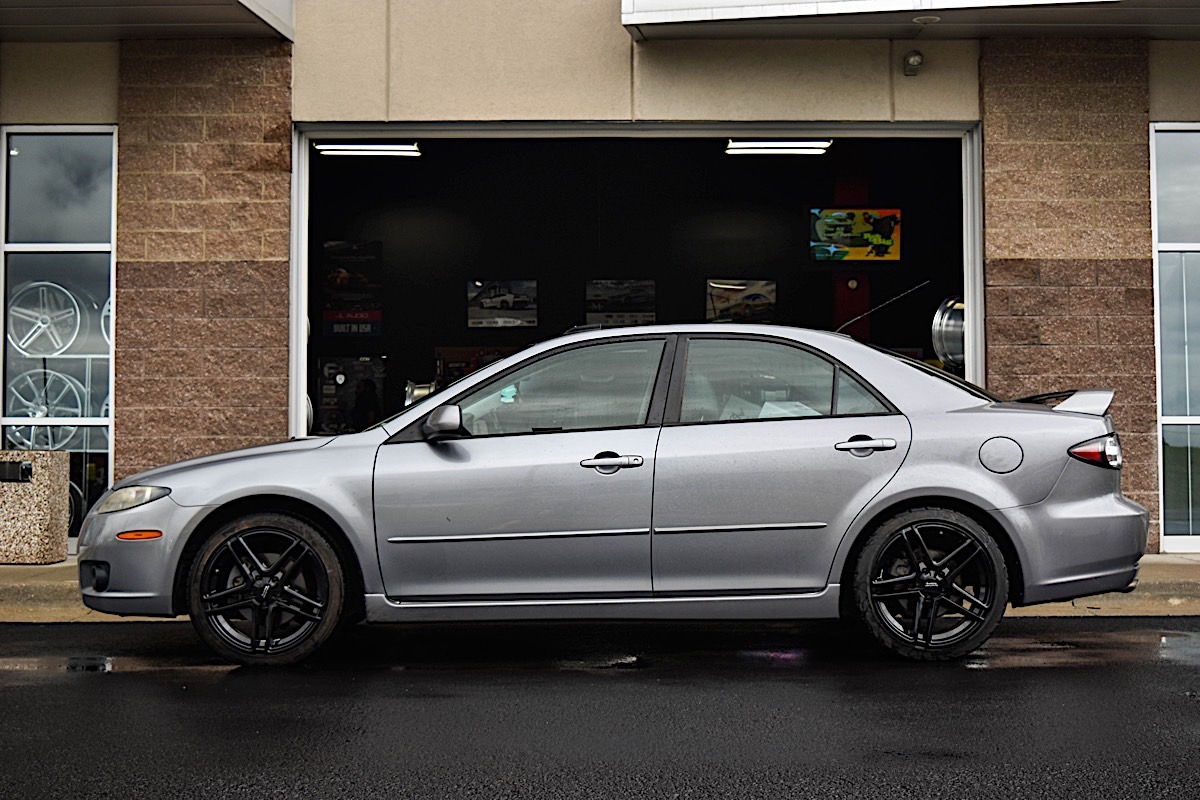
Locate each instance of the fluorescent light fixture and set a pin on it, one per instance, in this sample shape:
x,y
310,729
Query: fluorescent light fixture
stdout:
x,y
805,147
736,286
368,149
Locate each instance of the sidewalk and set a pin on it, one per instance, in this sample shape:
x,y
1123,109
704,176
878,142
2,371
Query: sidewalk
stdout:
x,y
1169,586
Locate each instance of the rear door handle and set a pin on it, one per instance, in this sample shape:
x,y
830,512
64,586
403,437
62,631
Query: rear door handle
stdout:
x,y
612,462
866,444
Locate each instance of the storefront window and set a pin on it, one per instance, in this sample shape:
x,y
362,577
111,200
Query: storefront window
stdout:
x,y
1177,173
57,287
423,269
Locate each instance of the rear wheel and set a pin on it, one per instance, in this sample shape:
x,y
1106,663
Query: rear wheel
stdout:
x,y
266,589
931,584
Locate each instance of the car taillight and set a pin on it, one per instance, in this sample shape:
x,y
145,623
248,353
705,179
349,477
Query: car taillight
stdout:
x,y
1103,452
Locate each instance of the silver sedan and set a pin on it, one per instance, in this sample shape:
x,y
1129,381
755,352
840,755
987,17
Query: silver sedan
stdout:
x,y
665,472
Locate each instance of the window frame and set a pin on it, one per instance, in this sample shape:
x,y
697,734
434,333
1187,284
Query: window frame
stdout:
x,y
654,414
109,248
1168,543
674,403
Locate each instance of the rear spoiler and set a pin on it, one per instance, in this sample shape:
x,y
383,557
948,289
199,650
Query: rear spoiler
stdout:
x,y
1082,401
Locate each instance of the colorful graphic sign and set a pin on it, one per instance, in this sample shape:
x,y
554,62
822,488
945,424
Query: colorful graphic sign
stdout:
x,y
855,234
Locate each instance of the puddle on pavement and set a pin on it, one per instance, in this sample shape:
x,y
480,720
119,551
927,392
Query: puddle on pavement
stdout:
x,y
100,664
1087,649
603,663
775,658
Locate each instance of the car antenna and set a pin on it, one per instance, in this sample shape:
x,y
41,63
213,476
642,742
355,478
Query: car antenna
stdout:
x,y
881,305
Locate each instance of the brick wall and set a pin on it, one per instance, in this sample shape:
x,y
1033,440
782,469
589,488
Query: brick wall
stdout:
x,y
203,188
1067,244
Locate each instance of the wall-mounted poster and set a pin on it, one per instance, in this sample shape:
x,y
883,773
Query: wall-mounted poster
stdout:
x,y
620,302
855,234
501,304
352,288
740,300
351,393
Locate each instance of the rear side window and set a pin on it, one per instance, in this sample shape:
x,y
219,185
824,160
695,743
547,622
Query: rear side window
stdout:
x,y
740,379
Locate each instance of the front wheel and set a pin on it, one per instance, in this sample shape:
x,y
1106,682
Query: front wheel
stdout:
x,y
931,584
266,589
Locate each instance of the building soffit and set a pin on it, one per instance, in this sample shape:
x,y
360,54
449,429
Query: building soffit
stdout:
x,y
910,19
110,20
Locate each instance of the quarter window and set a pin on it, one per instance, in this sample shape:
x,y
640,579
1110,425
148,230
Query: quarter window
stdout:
x,y
599,386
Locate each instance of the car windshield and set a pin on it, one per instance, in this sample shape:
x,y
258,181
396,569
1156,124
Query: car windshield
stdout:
x,y
941,374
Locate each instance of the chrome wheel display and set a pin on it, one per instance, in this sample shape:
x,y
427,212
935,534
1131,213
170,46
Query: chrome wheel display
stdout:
x,y
932,584
75,509
43,319
266,590
44,393
106,321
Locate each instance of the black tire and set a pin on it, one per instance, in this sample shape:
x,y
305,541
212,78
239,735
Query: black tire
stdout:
x,y
266,589
945,607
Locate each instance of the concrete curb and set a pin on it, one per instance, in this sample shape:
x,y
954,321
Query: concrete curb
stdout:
x,y
1169,585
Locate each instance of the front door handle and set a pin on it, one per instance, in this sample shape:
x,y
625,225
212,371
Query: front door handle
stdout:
x,y
608,463
866,445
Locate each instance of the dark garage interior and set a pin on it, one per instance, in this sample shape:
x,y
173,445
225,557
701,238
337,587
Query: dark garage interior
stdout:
x,y
396,242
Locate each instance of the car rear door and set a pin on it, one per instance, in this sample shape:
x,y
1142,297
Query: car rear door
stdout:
x,y
762,466
548,493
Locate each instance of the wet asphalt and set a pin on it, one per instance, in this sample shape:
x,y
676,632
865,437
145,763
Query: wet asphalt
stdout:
x,y
1084,708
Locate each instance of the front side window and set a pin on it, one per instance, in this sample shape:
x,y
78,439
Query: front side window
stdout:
x,y
730,380
597,386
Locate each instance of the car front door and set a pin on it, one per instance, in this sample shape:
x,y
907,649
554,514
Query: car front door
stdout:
x,y
758,476
548,490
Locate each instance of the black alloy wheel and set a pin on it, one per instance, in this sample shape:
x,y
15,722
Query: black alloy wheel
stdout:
x,y
931,584
267,589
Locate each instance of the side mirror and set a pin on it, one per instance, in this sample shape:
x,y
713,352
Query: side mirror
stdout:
x,y
444,423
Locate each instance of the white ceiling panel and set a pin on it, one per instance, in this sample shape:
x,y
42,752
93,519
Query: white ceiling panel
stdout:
x,y
108,20
894,19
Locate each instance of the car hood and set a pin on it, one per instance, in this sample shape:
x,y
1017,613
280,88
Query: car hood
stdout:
x,y
161,474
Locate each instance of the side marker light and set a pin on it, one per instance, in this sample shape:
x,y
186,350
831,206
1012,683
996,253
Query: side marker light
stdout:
x,y
138,536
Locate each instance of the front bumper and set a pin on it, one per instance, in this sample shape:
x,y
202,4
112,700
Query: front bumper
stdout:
x,y
133,577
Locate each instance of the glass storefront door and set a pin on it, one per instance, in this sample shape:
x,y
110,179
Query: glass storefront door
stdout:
x,y
1177,253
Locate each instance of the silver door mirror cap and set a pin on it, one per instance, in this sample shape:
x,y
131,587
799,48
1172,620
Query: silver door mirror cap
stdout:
x,y
444,423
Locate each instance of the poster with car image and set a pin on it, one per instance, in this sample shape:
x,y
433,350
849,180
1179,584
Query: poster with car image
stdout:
x,y
620,302
739,300
855,234
501,304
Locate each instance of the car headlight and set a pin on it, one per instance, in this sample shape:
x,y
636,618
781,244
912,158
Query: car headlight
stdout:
x,y
131,497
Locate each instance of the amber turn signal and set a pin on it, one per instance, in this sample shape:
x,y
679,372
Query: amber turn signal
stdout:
x,y
137,536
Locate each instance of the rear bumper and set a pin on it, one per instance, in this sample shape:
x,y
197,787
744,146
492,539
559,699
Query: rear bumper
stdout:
x,y
1078,548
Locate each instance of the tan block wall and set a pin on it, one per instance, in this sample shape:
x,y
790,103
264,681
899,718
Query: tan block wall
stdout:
x,y
429,60
1067,248
57,83
1174,95
203,220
